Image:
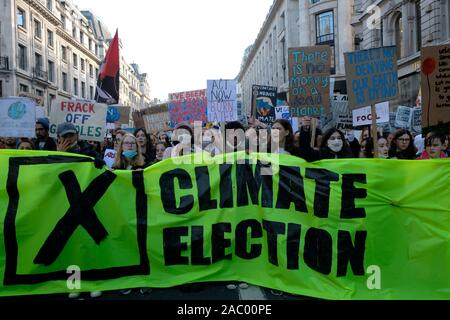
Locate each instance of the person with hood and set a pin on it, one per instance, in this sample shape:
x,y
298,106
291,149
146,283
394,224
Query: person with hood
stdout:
x,y
43,140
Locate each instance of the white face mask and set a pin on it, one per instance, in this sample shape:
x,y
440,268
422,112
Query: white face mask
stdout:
x,y
335,145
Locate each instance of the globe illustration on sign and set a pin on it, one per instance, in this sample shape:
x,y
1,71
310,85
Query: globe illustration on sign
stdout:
x,y
17,110
264,106
113,115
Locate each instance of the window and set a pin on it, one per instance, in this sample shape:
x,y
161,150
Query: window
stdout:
x,y
399,35
325,34
81,37
83,65
37,29
64,81
83,89
96,50
418,26
39,93
75,86
75,61
91,71
64,53
1,89
50,5
50,39
90,44
74,32
51,71
96,72
91,92
21,21
38,62
51,97
23,88
23,63
63,21
325,27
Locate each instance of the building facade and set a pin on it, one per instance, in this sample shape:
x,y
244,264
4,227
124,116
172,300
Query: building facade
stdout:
x,y
47,49
296,23
51,49
409,25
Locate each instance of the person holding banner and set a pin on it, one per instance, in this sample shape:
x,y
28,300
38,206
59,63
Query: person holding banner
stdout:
x,y
129,155
43,141
383,149
433,147
402,146
333,146
146,145
283,136
68,141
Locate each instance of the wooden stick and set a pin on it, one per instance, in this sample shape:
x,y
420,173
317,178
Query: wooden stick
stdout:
x,y
374,131
313,132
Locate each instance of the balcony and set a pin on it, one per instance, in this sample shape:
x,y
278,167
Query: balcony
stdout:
x,y
4,63
38,73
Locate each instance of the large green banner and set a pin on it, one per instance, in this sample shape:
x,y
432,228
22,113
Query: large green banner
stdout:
x,y
336,229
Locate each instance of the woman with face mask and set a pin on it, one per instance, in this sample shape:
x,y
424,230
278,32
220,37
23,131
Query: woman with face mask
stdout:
x,y
129,156
333,146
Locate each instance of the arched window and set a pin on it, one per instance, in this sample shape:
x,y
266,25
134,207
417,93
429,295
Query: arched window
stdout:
x,y
398,25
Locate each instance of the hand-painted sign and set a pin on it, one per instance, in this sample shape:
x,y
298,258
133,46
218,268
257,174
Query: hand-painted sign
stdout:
x,y
188,107
17,118
222,103
309,81
88,117
371,76
264,99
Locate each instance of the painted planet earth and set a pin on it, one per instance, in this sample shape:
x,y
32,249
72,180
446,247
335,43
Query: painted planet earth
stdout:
x,y
113,115
17,110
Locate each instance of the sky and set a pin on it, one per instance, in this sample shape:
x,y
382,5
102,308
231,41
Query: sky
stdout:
x,y
181,44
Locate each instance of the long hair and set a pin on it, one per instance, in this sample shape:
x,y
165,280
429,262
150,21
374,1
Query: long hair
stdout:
x,y
326,153
409,153
150,152
289,143
120,162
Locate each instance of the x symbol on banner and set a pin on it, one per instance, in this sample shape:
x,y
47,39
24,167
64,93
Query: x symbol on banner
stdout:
x,y
81,212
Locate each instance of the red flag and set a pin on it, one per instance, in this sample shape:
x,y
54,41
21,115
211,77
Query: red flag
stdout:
x,y
109,75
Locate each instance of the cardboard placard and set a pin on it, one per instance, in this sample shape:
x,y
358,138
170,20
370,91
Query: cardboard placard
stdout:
x,y
88,117
309,81
371,76
436,87
265,100
120,114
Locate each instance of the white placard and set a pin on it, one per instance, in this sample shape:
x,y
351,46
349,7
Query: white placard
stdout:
x,y
88,117
17,118
403,117
363,116
222,104
110,155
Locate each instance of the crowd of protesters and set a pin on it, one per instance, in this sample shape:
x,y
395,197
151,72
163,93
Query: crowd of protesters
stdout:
x,y
141,150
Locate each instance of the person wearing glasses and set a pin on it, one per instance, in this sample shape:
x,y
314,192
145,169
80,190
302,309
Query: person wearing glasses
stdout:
x,y
129,155
402,146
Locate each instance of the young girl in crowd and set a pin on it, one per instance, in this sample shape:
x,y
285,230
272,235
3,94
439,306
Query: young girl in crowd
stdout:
x,y
402,146
333,146
433,147
129,155
283,136
145,145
